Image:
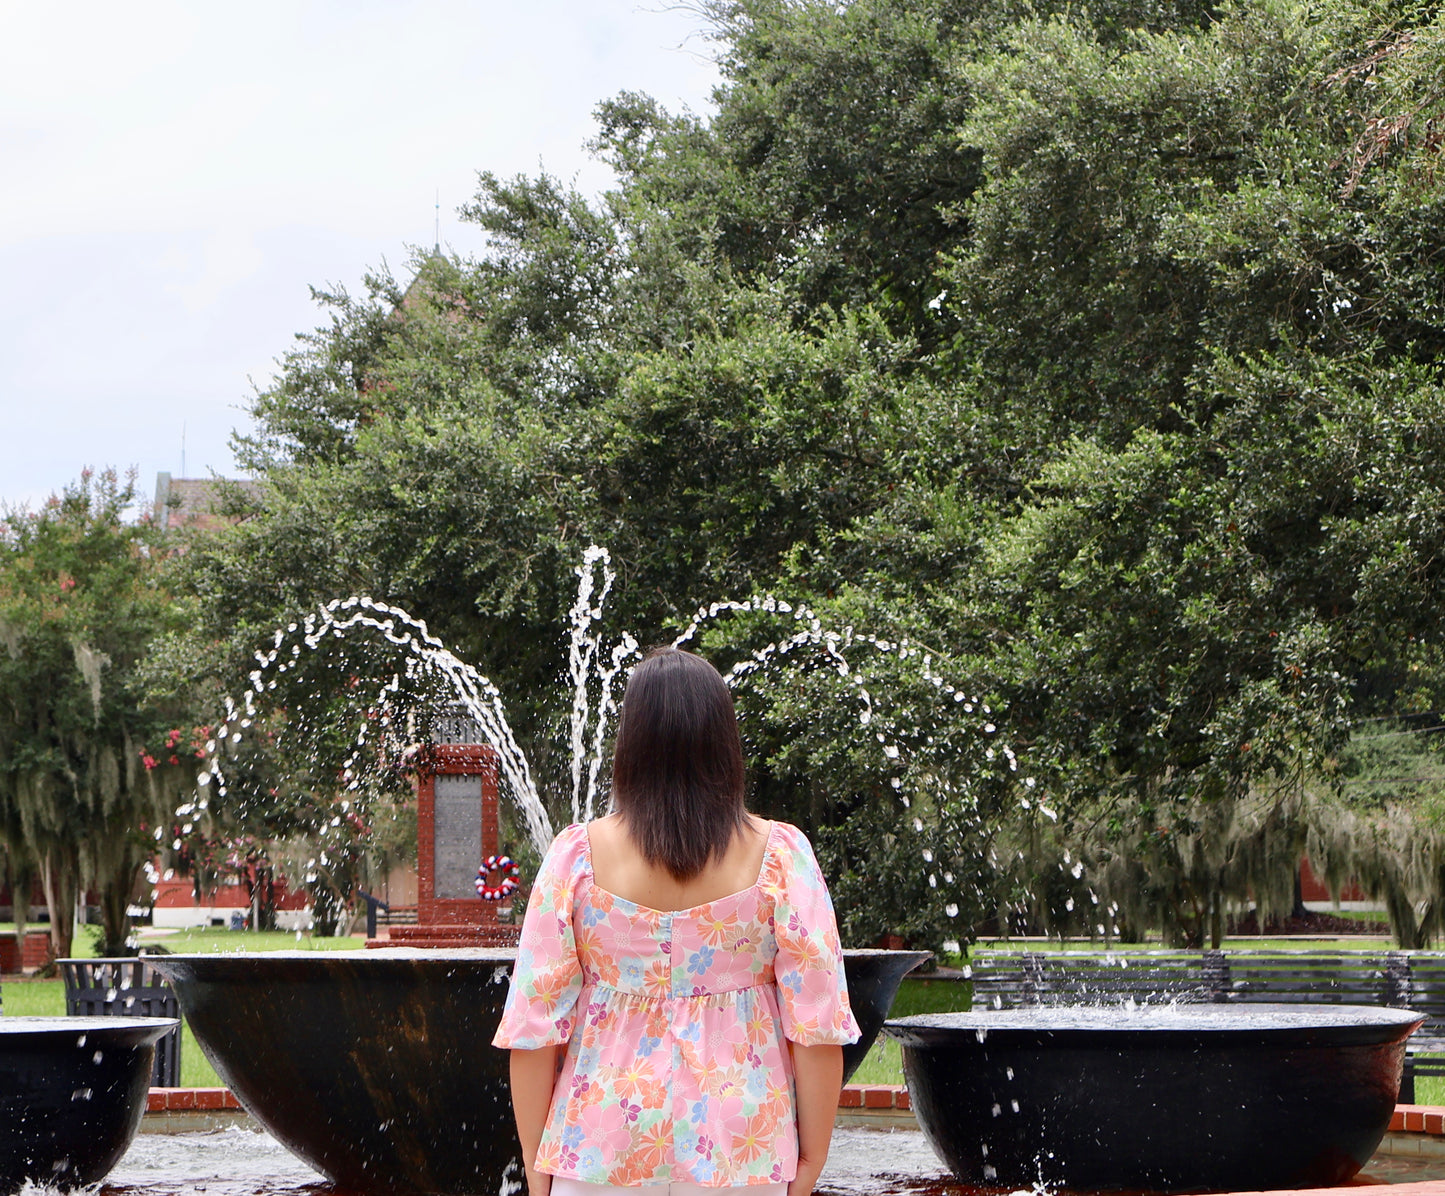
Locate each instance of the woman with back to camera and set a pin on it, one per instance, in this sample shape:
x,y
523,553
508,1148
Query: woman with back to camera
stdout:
x,y
686,955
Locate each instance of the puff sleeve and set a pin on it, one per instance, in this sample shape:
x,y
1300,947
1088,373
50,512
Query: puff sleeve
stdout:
x,y
547,977
812,989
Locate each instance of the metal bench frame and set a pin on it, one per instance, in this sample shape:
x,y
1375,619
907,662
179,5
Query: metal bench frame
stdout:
x,y
126,988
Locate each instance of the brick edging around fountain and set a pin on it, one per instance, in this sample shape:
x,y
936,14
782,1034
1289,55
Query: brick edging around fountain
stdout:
x,y
178,1100
1414,1129
174,1100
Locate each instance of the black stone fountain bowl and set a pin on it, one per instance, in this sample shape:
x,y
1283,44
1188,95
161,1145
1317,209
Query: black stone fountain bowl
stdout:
x,y
873,979
376,1067
1162,1098
72,1093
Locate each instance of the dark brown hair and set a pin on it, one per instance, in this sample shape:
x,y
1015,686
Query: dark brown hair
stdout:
x,y
677,771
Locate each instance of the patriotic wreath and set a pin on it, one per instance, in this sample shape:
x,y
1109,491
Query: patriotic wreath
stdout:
x,y
510,871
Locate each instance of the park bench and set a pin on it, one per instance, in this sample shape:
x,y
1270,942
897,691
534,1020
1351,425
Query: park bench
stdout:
x,y
1404,979
126,988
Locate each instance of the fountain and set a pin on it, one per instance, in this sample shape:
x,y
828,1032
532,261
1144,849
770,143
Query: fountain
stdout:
x,y
72,1093
376,1066
1156,1098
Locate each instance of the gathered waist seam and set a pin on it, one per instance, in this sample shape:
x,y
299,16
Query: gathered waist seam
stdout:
x,y
597,985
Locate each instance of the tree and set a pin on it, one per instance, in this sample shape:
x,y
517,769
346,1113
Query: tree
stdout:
x,y
91,759
1098,351
1218,360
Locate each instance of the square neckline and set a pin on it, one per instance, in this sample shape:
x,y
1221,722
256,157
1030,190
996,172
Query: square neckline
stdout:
x,y
672,913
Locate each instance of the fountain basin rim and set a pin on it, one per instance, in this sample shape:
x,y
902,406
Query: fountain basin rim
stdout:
x,y
1160,1025
887,952
380,955
80,1024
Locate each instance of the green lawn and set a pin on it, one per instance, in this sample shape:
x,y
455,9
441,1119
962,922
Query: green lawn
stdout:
x,y
1275,942
46,998
883,1064
207,940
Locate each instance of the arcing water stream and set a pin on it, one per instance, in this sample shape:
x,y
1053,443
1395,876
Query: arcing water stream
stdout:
x,y
596,668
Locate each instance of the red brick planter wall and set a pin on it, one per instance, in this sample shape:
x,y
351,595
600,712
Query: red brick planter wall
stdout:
x,y
16,957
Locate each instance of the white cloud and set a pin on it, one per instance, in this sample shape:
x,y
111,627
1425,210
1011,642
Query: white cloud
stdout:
x,y
179,173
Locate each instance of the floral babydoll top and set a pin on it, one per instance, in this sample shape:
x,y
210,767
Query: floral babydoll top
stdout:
x,y
676,1070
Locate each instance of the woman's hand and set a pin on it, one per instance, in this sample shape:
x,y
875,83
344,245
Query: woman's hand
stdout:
x,y
802,1183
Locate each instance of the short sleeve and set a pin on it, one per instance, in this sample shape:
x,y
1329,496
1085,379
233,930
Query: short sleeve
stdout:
x,y
812,989
547,976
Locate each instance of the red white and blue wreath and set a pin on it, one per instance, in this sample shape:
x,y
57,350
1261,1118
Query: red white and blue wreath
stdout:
x,y
510,870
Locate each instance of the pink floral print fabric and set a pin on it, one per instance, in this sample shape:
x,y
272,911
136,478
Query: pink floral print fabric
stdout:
x,y
676,1067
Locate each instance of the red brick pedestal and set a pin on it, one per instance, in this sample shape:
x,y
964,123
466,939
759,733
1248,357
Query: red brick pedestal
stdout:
x,y
452,920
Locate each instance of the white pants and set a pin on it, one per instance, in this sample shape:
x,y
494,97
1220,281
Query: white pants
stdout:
x,y
562,1186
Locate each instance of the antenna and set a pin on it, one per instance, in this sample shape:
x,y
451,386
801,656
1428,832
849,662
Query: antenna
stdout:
x,y
183,448
437,243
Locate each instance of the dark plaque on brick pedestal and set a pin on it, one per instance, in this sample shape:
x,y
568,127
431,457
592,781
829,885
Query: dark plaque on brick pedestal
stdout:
x,y
458,834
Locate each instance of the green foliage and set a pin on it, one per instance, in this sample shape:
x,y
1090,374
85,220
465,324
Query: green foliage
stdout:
x,y
1094,354
1382,823
92,756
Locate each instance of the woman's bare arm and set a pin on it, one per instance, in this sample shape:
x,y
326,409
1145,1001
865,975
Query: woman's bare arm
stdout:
x,y
534,1074
818,1076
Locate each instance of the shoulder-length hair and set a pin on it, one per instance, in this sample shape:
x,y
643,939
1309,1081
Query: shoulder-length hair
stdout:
x,y
677,770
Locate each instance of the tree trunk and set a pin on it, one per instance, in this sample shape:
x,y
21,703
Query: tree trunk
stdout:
x,y
115,894
20,881
57,878
1403,922
1300,909
261,884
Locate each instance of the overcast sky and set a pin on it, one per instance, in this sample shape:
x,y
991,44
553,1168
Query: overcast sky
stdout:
x,y
175,176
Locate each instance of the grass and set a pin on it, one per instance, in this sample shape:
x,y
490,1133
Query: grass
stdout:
x,y
883,1064
210,940
1430,1090
46,998
1268,942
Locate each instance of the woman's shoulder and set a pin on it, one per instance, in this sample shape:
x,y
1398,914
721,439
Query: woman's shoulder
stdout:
x,y
569,851
786,837
789,855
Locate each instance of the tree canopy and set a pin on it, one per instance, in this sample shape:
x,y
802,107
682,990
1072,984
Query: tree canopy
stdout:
x,y
93,752
1096,354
